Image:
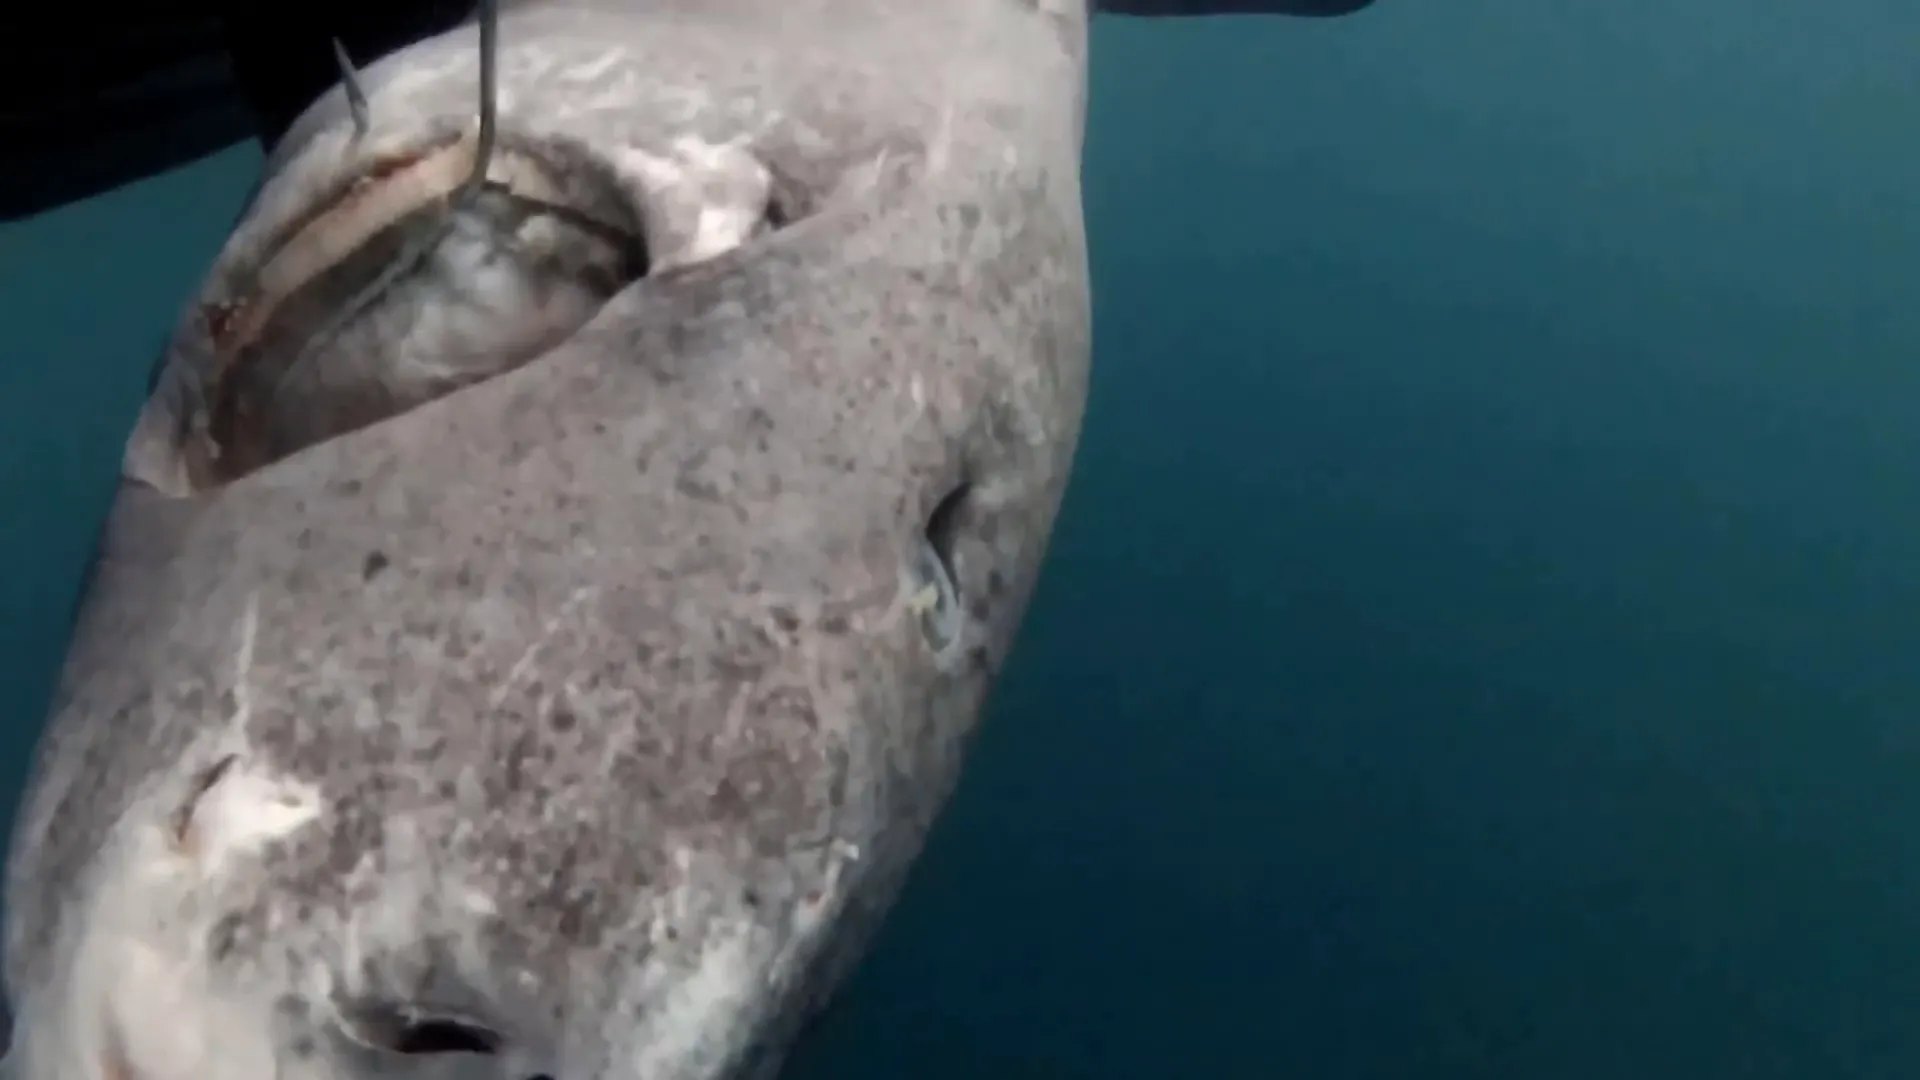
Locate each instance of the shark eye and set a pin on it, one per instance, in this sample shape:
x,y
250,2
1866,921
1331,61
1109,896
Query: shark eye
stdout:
x,y
936,583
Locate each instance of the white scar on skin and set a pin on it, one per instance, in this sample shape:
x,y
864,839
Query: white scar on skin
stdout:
x,y
521,666
245,810
241,808
243,663
234,807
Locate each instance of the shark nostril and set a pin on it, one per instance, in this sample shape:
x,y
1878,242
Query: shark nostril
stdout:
x,y
401,1030
446,1037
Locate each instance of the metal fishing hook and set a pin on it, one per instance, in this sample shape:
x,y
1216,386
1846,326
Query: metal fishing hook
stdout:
x,y
489,16
415,254
356,95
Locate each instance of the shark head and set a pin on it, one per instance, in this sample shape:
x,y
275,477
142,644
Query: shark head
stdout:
x,y
566,550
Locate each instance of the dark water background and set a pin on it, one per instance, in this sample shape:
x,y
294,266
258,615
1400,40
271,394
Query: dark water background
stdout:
x,y
1480,640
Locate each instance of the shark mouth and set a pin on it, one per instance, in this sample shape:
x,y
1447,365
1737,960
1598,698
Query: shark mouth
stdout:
x,y
429,269
444,271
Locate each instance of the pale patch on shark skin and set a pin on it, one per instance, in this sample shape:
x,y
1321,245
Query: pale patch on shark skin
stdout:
x,y
704,199
234,809
717,963
138,1001
242,812
701,1006
815,912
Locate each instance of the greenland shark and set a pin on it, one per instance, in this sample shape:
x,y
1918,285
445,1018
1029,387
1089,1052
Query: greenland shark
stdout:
x,y
566,550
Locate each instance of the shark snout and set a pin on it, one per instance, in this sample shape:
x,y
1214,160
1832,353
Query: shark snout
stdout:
x,y
566,554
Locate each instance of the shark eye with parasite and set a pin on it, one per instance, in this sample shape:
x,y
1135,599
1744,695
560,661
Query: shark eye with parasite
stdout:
x,y
936,582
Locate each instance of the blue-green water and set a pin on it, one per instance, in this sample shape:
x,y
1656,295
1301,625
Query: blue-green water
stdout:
x,y
1478,643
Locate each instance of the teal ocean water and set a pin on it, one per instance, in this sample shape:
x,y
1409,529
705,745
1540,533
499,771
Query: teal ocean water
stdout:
x,y
1480,641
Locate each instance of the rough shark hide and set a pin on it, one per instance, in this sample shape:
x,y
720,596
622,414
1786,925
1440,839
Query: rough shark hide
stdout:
x,y
567,550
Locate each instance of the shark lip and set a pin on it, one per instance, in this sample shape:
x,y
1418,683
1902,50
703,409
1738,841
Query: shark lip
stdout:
x,y
374,197
314,267
380,226
377,196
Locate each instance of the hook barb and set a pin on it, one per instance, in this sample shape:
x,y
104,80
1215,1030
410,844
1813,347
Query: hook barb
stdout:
x,y
356,94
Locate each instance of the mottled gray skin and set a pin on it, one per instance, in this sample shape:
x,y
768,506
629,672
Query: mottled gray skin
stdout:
x,y
606,671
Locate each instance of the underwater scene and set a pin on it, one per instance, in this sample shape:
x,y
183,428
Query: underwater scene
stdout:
x,y
1481,638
